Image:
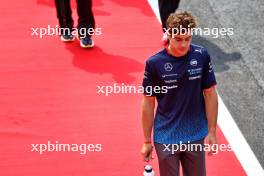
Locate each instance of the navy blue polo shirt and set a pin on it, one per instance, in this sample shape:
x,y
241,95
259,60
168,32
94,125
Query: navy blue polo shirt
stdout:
x,y
180,116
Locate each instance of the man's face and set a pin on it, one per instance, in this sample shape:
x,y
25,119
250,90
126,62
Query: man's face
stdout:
x,y
180,43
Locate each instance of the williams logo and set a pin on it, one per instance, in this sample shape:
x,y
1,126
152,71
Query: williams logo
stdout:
x,y
168,66
193,62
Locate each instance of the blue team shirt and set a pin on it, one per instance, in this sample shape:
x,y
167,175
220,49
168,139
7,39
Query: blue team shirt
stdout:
x,y
180,116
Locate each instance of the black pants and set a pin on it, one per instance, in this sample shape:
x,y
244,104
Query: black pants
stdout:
x,y
84,10
192,162
166,7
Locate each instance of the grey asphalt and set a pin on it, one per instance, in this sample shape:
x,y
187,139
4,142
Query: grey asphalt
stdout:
x,y
238,60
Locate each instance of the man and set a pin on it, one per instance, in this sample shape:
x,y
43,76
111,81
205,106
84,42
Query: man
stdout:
x,y
187,112
86,22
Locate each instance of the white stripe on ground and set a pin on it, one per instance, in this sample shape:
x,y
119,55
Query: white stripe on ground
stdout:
x,y
239,144
230,129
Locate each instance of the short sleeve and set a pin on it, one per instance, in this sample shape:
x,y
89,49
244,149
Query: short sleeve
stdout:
x,y
208,77
149,80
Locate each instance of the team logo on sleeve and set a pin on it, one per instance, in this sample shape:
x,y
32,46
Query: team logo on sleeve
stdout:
x,y
168,66
210,67
193,62
145,75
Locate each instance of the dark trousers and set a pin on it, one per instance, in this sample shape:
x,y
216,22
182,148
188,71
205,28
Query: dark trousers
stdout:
x,y
192,162
166,7
84,10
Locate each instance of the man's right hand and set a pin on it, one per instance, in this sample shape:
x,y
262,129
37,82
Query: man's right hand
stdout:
x,y
146,152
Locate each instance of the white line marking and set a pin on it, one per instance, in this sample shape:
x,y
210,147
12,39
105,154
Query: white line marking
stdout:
x,y
230,129
238,142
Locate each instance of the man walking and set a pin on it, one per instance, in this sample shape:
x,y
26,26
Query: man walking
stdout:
x,y
86,22
187,113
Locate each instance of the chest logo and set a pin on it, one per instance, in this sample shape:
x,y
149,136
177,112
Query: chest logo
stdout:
x,y
193,62
168,66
